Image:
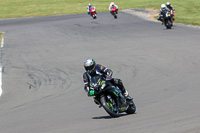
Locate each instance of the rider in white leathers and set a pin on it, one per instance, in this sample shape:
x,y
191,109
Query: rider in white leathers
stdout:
x,y
111,5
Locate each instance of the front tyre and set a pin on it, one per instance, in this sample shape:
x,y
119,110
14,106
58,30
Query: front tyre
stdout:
x,y
94,16
110,105
115,15
168,24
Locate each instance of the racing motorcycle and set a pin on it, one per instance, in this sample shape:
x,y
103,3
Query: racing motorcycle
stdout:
x,y
110,97
172,15
114,11
167,19
93,13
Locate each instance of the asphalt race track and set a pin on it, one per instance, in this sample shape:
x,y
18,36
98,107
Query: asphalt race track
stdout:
x,y
43,65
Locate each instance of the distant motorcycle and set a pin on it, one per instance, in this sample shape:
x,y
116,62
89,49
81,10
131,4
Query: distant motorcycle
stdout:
x,y
172,15
111,98
93,13
114,11
167,19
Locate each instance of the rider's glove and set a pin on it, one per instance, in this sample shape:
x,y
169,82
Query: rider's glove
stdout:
x,y
92,92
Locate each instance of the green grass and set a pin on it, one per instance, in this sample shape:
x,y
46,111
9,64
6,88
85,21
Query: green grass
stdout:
x,y
187,11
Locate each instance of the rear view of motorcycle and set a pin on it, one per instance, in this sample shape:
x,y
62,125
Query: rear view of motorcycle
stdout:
x,y
110,97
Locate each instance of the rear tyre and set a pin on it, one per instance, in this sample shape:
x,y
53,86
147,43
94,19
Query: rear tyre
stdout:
x,y
131,109
110,105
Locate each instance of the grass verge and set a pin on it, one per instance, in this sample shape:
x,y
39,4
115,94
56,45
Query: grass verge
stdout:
x,y
187,11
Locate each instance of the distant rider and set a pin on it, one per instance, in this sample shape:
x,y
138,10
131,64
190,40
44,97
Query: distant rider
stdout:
x,y
92,69
112,5
161,12
170,7
90,7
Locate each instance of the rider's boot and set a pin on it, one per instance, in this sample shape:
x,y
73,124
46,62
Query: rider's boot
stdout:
x,y
126,94
128,98
119,84
159,18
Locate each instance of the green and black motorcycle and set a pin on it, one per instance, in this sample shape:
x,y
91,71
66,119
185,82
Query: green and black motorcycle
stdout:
x,y
111,98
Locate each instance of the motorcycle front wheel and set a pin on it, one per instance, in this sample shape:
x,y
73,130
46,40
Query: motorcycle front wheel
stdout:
x,y
110,105
94,16
115,15
168,24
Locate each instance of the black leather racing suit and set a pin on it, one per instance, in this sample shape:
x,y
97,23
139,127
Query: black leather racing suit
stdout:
x,y
101,70
161,13
170,7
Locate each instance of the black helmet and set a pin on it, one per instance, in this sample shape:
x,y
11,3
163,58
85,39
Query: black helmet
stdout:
x,y
89,65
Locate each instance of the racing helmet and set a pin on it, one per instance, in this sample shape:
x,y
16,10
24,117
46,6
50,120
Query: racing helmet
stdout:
x,y
89,65
163,6
89,5
112,3
168,4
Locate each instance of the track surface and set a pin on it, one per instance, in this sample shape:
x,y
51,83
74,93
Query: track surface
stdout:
x,y
43,66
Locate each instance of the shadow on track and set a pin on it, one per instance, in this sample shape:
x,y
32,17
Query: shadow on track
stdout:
x,y
108,117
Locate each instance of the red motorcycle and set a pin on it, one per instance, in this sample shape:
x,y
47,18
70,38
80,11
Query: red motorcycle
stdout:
x,y
172,15
114,11
93,13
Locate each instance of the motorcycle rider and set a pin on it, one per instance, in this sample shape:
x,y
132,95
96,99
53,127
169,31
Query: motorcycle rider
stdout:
x,y
92,69
170,7
112,4
90,7
161,12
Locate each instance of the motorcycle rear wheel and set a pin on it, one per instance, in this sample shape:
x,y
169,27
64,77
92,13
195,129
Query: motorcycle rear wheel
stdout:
x,y
131,109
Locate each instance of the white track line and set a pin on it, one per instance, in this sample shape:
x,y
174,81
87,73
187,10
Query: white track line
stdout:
x,y
2,42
